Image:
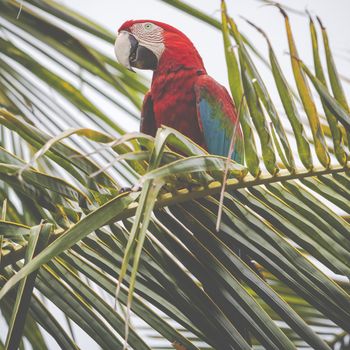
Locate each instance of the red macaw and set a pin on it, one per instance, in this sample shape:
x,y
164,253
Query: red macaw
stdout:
x,y
182,95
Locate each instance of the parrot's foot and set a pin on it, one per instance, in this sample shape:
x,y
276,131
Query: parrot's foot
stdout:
x,y
135,188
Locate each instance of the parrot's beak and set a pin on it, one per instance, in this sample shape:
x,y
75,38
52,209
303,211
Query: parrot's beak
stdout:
x,y
130,53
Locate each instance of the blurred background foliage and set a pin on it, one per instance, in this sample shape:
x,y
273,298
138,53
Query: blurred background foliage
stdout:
x,y
276,274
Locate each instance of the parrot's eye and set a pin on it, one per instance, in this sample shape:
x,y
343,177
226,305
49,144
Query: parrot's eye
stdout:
x,y
148,26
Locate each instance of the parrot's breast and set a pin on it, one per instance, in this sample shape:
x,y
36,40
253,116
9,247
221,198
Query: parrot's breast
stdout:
x,y
174,102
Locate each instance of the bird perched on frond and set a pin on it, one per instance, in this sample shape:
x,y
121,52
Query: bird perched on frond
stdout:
x,y
182,95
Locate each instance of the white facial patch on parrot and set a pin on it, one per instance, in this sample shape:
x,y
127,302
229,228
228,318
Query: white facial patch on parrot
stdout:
x,y
122,48
151,36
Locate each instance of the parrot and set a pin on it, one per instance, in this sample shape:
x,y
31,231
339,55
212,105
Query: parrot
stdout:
x,y
182,95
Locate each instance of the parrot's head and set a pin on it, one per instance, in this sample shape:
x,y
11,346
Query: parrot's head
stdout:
x,y
144,43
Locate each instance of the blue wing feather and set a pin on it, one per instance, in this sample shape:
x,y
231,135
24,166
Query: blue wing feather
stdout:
x,y
217,116
216,137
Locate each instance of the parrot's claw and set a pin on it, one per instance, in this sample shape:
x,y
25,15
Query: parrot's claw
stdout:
x,y
135,188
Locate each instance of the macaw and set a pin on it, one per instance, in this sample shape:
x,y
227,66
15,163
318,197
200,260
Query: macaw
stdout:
x,y
182,95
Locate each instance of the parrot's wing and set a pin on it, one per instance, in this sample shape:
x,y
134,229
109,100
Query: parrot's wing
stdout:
x,y
217,117
148,124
